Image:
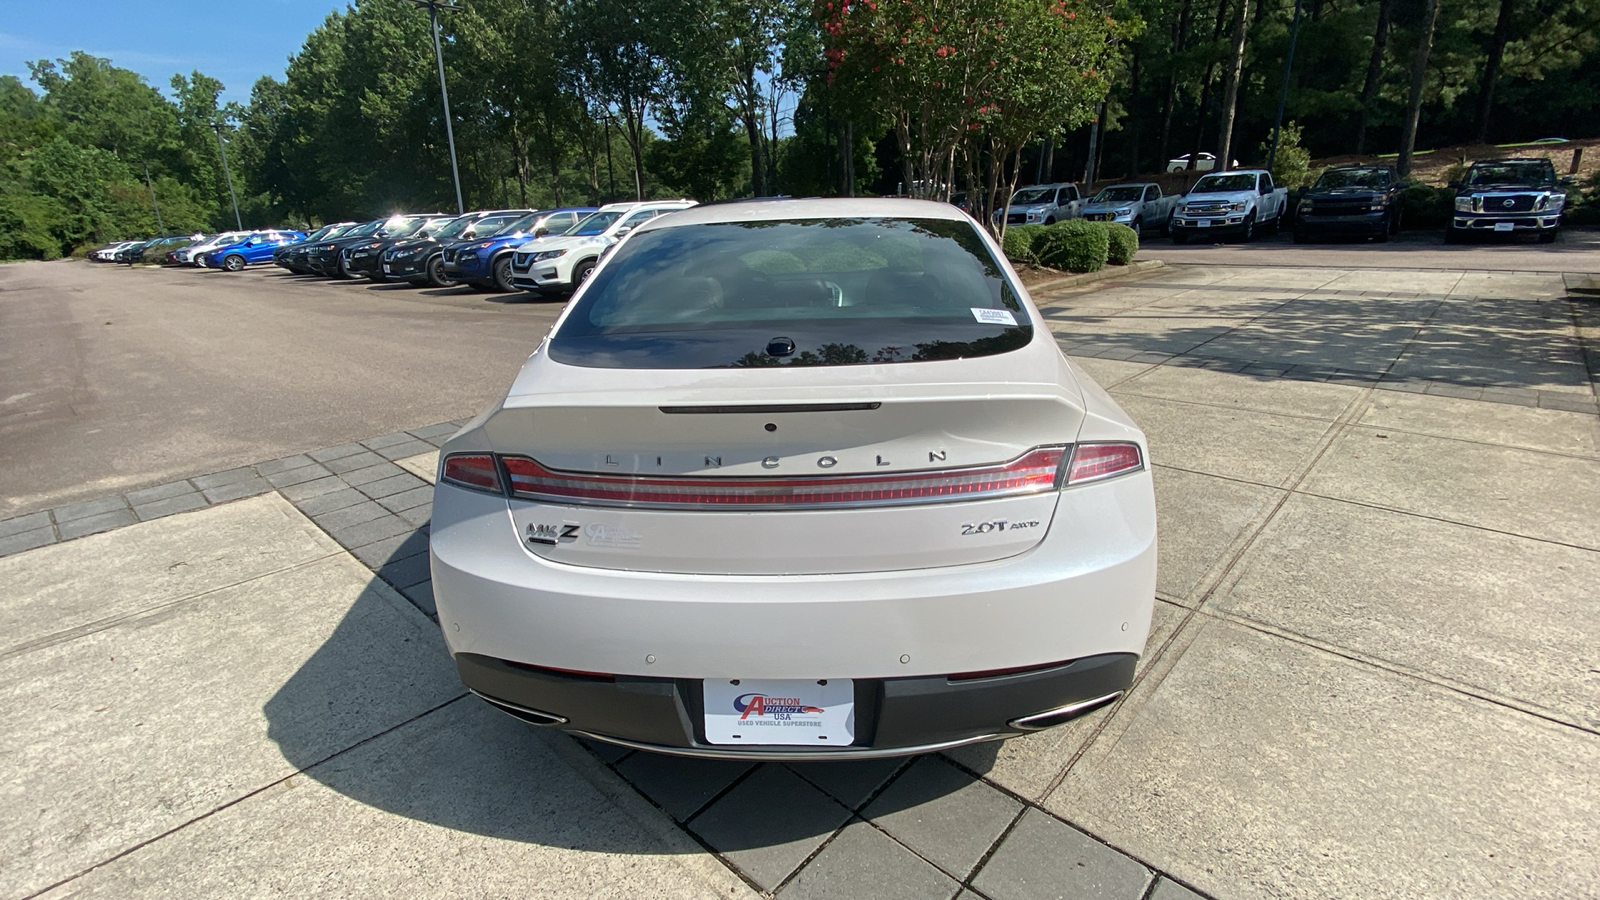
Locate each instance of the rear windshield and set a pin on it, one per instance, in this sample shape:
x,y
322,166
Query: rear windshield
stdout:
x,y
803,292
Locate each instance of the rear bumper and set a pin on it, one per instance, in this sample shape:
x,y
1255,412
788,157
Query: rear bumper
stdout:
x,y
1086,588
893,716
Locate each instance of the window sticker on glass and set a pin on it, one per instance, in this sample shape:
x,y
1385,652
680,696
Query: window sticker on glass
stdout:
x,y
993,316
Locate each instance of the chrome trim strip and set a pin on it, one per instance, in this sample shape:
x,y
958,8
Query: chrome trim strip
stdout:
x,y
782,754
1062,466
1061,714
771,408
512,709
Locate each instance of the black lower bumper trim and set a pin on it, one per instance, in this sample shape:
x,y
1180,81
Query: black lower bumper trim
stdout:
x,y
892,715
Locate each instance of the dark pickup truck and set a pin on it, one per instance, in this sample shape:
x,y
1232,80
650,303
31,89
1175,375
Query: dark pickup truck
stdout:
x,y
1350,201
1510,196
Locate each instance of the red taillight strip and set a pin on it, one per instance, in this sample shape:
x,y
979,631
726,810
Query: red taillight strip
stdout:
x,y
471,470
1033,472
1093,462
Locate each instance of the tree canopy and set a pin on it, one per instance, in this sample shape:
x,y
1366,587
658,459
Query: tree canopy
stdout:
x,y
566,102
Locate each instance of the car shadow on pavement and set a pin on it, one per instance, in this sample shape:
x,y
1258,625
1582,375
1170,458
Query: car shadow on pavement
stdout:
x,y
378,715
1570,240
1485,342
520,297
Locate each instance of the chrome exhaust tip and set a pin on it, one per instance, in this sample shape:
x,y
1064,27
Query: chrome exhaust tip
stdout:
x,y
1053,717
526,714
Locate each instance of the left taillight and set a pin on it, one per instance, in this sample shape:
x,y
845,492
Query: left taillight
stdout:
x,y
1094,462
476,471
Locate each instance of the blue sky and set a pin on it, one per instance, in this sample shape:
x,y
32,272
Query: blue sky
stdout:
x,y
234,42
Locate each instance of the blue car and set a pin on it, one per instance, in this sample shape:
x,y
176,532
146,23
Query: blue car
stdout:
x,y
255,248
486,262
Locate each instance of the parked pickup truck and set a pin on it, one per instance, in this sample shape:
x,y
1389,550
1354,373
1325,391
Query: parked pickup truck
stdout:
x,y
1239,202
1350,201
1139,206
1508,195
1043,204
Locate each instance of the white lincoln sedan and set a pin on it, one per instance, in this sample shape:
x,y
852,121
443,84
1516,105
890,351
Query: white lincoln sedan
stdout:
x,y
798,479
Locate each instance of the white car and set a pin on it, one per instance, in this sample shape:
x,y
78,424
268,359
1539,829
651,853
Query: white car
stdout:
x,y
1204,162
798,479
108,253
197,253
561,262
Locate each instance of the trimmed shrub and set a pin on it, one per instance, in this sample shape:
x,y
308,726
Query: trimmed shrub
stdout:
x,y
1074,245
1124,243
1018,243
1583,202
1425,206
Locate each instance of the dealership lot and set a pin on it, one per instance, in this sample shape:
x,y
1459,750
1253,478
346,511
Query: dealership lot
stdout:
x,y
1373,672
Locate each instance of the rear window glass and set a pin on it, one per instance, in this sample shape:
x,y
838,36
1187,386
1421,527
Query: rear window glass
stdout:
x,y
806,292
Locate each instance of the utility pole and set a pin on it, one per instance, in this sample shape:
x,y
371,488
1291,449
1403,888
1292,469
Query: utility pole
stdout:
x,y
217,126
160,228
449,130
1283,90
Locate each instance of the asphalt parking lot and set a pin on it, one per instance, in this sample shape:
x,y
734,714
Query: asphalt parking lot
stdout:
x,y
1374,671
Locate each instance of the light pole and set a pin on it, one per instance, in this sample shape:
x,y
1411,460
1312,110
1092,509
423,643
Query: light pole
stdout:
x,y
449,130
217,127
160,228
1283,90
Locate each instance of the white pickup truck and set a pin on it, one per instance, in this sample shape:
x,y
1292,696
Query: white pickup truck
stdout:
x,y
1242,202
1138,206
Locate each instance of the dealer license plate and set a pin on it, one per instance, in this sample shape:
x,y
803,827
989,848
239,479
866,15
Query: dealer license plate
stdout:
x,y
789,711
1505,226
1203,223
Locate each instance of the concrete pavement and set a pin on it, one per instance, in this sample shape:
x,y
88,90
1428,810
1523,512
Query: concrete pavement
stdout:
x,y
1373,671
230,705
117,379
1574,252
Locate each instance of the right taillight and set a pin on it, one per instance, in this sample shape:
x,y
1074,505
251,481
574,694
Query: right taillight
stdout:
x,y
472,470
1092,462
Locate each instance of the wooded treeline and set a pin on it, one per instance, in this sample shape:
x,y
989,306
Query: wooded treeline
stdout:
x,y
561,102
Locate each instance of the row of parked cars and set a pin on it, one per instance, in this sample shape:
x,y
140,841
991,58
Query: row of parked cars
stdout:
x,y
550,251
1363,201
543,251
230,250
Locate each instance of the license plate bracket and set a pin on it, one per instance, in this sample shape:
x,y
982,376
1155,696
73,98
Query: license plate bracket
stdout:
x,y
780,711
